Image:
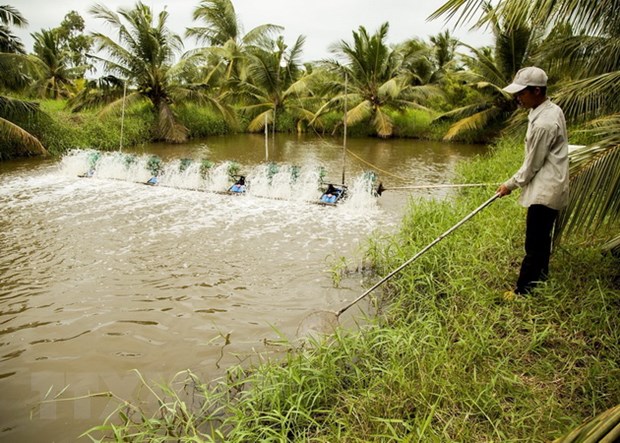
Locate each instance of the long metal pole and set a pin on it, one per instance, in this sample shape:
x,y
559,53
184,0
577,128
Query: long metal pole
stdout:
x,y
344,139
120,147
460,185
266,139
415,257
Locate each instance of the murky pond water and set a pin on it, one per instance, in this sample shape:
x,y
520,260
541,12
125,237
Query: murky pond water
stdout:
x,y
102,275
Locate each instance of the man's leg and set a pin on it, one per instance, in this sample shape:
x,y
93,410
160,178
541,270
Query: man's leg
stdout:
x,y
535,266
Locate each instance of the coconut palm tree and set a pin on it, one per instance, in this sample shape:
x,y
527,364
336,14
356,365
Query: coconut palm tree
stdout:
x,y
144,57
276,82
56,78
590,63
377,82
443,54
14,139
15,68
9,16
418,60
13,62
223,32
489,70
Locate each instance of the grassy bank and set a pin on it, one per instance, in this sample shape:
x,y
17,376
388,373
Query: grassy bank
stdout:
x,y
447,359
60,130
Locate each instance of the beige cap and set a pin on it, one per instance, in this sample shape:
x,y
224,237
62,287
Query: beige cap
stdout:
x,y
531,76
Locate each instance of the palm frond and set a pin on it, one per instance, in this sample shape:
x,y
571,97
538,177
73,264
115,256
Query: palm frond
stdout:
x,y
390,89
300,88
418,96
19,70
116,106
199,95
583,56
103,12
483,68
359,113
474,122
463,10
258,122
11,108
257,34
383,124
293,57
605,427
588,16
9,15
590,97
168,128
613,246
595,190
221,20
26,142
462,112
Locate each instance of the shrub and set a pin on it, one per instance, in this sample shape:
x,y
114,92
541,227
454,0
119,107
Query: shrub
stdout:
x,y
201,121
412,123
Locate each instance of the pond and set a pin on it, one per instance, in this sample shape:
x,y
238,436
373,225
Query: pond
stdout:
x,y
103,275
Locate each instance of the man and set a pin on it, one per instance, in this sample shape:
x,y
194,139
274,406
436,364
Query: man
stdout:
x,y
543,176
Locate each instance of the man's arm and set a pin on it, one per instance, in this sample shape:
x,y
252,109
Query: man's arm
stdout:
x,y
540,141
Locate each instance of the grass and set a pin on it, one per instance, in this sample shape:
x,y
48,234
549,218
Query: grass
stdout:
x,y
445,360
201,121
412,123
61,130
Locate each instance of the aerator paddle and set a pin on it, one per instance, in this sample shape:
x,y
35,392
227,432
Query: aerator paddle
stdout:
x,y
325,321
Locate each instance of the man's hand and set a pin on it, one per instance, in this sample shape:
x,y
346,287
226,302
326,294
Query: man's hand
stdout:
x,y
503,190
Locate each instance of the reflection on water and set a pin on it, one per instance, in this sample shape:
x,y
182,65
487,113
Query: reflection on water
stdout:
x,y
101,276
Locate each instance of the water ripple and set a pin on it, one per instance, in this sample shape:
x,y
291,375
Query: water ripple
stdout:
x,y
56,340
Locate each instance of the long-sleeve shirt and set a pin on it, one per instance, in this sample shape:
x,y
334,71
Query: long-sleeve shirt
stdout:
x,y
543,176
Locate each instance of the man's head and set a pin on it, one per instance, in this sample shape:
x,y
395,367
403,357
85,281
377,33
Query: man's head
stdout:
x,y
529,87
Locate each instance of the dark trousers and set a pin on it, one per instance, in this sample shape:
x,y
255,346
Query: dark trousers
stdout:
x,y
535,265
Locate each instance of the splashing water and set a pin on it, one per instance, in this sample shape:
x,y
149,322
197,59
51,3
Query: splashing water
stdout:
x,y
268,180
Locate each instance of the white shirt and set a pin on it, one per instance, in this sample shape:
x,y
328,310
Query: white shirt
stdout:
x,y
543,176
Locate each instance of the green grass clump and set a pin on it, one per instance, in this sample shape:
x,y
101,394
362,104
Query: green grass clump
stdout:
x,y
201,121
446,359
412,123
60,130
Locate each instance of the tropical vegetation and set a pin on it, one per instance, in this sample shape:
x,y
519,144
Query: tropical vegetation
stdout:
x,y
143,61
488,71
227,53
15,66
446,359
370,78
9,43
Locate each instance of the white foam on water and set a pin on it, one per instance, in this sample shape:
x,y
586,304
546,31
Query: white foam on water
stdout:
x,y
269,180
217,179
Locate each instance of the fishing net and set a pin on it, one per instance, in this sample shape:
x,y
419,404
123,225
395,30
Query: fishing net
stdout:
x,y
317,324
